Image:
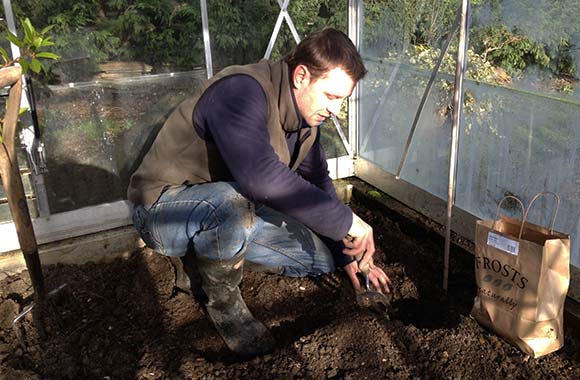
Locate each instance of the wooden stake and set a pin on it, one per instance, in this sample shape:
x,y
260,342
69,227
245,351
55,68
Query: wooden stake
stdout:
x,y
12,182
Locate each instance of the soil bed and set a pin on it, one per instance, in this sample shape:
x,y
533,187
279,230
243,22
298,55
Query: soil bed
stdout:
x,y
124,320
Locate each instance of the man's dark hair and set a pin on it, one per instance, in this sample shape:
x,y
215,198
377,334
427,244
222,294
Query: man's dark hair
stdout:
x,y
325,50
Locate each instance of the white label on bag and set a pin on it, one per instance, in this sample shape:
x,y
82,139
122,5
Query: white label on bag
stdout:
x,y
503,243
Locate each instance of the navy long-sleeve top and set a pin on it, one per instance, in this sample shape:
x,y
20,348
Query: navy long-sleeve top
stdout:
x,y
233,115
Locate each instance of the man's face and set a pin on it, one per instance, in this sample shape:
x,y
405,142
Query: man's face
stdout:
x,y
318,98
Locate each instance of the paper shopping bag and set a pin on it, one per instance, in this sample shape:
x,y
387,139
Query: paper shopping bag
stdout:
x,y
522,274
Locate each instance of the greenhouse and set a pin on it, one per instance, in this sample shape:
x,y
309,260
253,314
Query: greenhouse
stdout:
x,y
460,148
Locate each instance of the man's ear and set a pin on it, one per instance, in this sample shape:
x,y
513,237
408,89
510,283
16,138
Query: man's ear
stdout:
x,y
301,76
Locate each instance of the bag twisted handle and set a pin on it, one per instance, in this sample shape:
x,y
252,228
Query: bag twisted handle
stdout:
x,y
554,214
499,207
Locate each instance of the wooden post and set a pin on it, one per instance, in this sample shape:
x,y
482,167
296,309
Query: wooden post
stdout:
x,y
12,182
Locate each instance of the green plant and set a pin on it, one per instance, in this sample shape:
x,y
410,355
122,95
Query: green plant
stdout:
x,y
31,46
167,33
375,194
31,53
99,129
533,34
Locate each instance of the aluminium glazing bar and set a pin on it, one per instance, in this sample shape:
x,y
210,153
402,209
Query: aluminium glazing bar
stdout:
x,y
276,30
457,113
342,136
289,22
352,28
354,32
206,40
11,25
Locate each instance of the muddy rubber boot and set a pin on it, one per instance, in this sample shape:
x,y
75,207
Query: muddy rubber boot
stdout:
x,y
242,333
187,278
182,280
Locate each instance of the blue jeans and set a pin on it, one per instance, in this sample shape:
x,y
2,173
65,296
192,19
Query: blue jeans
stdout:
x,y
216,222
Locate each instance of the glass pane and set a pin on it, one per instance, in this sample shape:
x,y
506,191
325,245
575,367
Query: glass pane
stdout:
x,y
521,132
402,42
95,131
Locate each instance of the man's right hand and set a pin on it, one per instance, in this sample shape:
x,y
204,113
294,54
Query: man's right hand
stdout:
x,y
359,241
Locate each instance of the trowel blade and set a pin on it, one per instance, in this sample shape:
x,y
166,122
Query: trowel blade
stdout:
x,y
375,301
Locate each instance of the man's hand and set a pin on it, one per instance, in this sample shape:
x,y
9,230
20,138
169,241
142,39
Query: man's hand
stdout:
x,y
377,276
360,241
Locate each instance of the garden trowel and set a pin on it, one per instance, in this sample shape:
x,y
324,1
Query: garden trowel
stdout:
x,y
370,298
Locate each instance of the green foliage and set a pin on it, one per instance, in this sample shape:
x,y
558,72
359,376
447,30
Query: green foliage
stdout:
x,y
168,34
511,36
516,37
99,129
417,22
32,52
31,48
509,49
86,128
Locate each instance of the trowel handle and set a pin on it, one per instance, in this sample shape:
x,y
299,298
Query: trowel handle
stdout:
x,y
367,268
365,271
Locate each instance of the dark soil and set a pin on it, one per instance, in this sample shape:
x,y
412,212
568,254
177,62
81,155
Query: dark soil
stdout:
x,y
125,320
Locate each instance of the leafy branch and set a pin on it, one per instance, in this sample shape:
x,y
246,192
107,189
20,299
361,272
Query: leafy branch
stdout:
x,y
30,48
31,54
